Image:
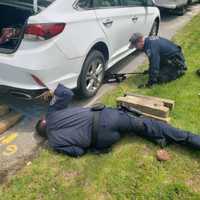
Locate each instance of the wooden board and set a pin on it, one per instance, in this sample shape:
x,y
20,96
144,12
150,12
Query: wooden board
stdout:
x,y
167,102
151,107
163,119
4,109
8,121
166,120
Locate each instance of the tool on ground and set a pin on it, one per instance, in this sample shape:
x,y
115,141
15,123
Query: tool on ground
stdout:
x,y
119,77
130,110
109,78
148,106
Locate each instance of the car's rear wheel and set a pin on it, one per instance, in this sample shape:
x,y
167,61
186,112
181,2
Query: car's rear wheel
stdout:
x,y
92,74
154,29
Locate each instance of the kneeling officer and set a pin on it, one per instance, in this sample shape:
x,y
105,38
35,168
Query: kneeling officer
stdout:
x,y
166,58
74,131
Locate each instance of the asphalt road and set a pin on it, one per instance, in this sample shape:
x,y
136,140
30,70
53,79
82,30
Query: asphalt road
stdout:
x,y
22,136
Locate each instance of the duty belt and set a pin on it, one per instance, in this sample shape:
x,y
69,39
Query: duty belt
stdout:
x,y
97,108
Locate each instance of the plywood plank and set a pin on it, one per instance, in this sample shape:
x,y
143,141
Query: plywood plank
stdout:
x,y
150,107
8,121
167,102
162,119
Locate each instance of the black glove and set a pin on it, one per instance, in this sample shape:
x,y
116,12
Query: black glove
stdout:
x,y
146,85
145,72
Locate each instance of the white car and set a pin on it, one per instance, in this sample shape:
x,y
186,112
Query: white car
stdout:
x,y
67,41
178,5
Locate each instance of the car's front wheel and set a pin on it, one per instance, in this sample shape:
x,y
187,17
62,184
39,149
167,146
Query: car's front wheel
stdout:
x,y
92,74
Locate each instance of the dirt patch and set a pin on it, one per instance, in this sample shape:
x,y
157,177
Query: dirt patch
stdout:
x,y
145,151
194,183
71,175
3,175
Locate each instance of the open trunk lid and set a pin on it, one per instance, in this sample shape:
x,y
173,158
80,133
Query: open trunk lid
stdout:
x,y
35,5
14,15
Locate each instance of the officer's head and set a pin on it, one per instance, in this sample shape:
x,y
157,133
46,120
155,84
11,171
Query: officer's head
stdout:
x,y
137,41
41,128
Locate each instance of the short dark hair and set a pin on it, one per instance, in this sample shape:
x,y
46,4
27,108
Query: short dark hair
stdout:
x,y
41,128
134,39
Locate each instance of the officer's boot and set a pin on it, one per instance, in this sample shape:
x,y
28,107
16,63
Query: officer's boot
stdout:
x,y
198,72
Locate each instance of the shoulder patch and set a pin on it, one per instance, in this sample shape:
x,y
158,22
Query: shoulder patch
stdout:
x,y
153,38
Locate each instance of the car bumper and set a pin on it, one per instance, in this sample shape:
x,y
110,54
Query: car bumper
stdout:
x,y
46,62
166,4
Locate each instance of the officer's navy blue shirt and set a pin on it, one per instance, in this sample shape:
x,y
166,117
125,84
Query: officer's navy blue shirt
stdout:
x,y
158,48
69,130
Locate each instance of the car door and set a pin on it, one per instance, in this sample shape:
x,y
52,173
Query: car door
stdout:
x,y
138,12
115,22
150,10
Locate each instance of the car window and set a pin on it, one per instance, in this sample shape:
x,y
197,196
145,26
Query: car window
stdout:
x,y
45,3
42,3
106,3
84,4
150,3
133,2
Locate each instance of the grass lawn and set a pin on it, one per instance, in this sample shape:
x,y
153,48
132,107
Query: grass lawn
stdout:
x,y
130,171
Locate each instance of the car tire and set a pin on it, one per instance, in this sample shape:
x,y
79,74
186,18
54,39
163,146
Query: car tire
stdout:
x,y
181,11
154,29
92,74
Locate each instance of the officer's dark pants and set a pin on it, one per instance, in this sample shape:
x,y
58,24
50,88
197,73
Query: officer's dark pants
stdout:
x,y
172,68
158,132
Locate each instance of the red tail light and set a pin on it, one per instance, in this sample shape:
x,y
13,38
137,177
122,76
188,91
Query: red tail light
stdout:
x,y
44,31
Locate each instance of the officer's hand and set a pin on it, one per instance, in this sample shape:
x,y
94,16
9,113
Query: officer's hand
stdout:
x,y
46,96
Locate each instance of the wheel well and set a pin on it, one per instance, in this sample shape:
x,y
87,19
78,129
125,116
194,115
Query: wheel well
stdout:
x,y
100,46
157,20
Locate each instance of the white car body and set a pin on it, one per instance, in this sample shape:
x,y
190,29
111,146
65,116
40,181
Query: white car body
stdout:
x,y
60,59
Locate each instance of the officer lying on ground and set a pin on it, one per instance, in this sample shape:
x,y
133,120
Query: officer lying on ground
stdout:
x,y
74,131
166,59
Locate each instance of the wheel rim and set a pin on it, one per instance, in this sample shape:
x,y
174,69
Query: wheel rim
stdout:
x,y
94,75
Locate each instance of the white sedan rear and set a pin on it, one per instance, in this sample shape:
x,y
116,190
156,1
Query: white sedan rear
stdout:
x,y
70,42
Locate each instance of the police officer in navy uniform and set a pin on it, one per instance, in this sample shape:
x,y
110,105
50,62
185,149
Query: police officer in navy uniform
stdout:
x,y
75,131
166,58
